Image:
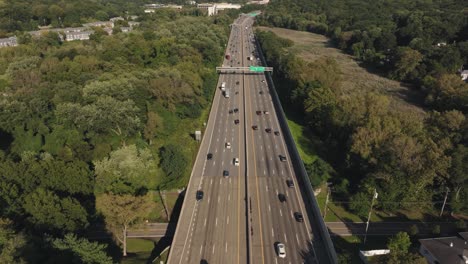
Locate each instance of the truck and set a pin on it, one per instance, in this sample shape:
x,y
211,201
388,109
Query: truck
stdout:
x,y
223,86
226,93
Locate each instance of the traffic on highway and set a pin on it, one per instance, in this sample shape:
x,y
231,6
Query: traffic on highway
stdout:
x,y
242,204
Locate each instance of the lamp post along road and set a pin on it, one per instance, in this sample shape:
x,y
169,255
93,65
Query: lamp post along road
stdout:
x,y
370,212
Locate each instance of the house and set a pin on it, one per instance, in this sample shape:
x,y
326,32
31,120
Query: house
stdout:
x,y
114,19
81,35
103,24
464,75
133,23
212,9
8,42
445,250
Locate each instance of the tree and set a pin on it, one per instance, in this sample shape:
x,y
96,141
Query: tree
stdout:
x,y
81,251
173,161
153,123
126,171
121,211
10,243
400,243
360,204
406,60
51,213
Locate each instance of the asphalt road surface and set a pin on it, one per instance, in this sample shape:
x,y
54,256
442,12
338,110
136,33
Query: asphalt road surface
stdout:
x,y
240,218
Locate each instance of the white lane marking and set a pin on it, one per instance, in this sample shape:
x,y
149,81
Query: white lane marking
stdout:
x,y
269,208
229,197
281,213
212,252
208,199
228,220
282,172
285,239
264,172
214,162
217,140
229,180
225,248
222,163
205,222
266,188
219,199
277,192
261,147
297,238
268,146
272,233
216,224
201,249
211,181
276,260
273,171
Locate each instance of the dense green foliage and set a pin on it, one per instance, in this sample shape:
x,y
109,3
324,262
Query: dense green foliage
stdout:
x,y
88,129
422,42
409,157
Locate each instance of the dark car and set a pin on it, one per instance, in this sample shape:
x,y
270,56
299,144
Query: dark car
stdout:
x,y
199,195
277,133
259,112
298,217
290,183
282,197
225,173
255,127
282,158
230,111
237,82
209,156
236,121
236,110
237,92
261,92
268,130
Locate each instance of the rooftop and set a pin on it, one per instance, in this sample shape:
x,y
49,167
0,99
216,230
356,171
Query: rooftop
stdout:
x,y
447,250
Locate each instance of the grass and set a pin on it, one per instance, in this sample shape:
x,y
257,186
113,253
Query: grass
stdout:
x,y
139,251
303,142
352,244
310,47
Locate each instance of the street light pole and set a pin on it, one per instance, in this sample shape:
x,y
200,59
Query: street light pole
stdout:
x,y
445,200
370,212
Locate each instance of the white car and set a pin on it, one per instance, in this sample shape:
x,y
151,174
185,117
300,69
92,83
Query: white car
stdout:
x,y
236,161
228,145
281,250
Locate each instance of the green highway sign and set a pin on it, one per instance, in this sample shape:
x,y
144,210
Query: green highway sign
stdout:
x,y
257,69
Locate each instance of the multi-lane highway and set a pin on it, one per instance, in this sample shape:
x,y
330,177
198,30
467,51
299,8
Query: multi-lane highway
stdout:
x,y
242,217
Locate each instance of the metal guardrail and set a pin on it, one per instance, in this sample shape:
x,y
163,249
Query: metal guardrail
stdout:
x,y
299,167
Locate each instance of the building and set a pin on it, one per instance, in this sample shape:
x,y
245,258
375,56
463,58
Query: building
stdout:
x,y
114,19
81,35
8,42
103,24
464,75
445,250
213,9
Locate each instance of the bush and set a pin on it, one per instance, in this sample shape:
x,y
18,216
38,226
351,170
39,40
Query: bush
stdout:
x,y
319,172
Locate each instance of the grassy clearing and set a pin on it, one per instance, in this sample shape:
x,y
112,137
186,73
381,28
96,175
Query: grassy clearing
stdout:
x,y
352,244
139,251
303,143
310,47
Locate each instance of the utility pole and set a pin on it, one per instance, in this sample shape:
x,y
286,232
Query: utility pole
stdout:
x,y
445,200
326,203
370,212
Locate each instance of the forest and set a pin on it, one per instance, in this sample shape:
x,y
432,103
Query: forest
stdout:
x,y
90,130
409,158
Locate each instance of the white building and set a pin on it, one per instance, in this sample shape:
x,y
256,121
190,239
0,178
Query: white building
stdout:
x,y
83,35
8,42
464,75
212,9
